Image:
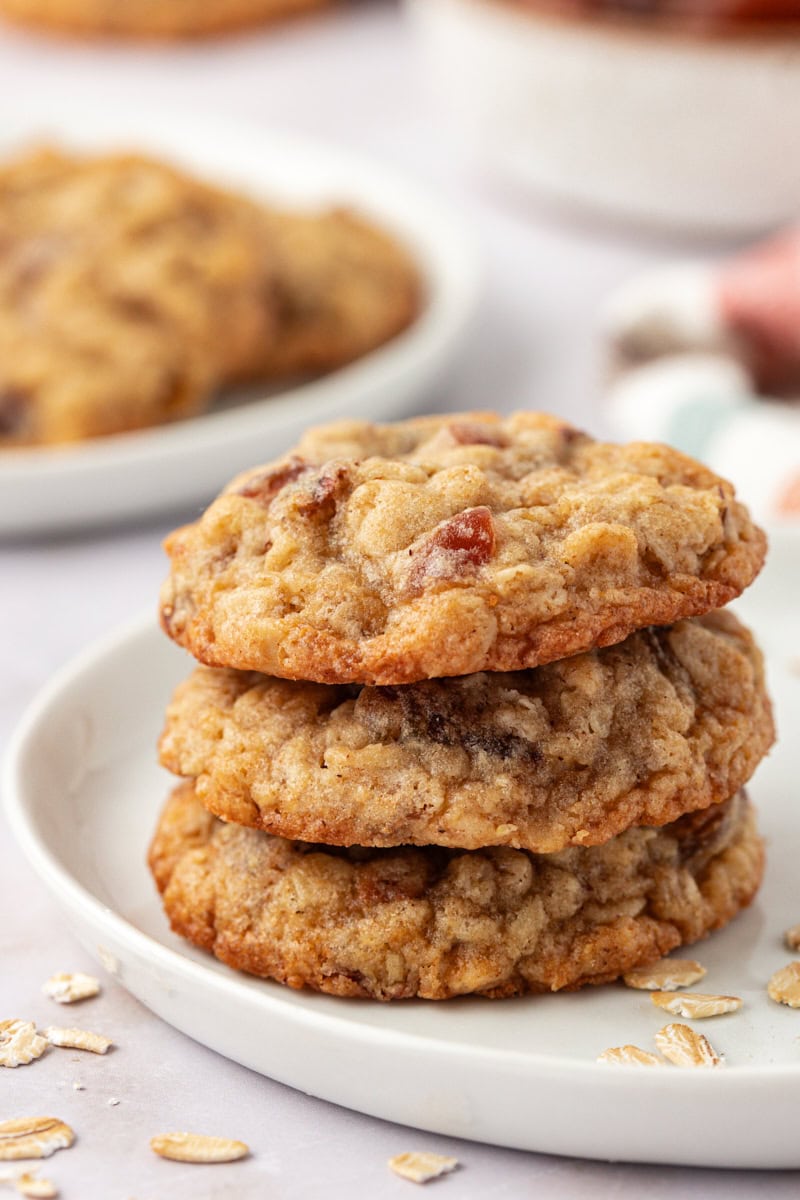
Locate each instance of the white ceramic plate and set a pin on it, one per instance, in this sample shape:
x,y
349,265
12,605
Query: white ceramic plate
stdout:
x,y
135,474
82,792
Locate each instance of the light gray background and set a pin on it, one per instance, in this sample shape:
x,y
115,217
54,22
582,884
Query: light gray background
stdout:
x,y
351,77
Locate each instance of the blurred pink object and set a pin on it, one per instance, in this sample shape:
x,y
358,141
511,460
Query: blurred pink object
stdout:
x,y
747,307
699,349
710,13
759,302
696,13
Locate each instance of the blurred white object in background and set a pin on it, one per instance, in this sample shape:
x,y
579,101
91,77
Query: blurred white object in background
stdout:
x,y
627,116
671,309
704,405
747,306
648,401
697,349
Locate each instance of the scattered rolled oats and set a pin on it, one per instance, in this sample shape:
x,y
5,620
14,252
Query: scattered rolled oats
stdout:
x,y
77,1039
784,986
20,1044
686,1048
33,1137
66,988
31,1185
792,937
695,1005
630,1056
79,1087
668,975
113,1102
197,1148
421,1167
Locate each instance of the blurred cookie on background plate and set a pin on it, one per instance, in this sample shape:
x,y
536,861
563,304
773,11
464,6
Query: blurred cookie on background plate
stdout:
x,y
342,287
128,290
130,293
152,18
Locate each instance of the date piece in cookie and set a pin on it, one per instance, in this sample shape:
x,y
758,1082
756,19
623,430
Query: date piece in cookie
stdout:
x,y
451,545
435,923
669,721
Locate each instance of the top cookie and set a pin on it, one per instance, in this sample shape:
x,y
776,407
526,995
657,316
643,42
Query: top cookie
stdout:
x,y
451,545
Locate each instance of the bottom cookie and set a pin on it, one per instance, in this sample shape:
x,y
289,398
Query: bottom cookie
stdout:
x,y
435,923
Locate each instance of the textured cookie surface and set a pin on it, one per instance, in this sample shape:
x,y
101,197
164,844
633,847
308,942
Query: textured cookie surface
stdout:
x,y
450,545
127,291
342,287
435,923
666,722
151,18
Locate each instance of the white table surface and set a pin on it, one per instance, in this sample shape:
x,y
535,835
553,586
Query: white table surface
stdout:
x,y
351,77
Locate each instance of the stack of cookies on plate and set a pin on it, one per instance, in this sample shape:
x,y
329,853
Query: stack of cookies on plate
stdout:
x,y
469,720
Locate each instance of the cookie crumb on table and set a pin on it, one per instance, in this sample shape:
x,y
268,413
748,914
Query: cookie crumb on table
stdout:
x,y
35,1187
792,937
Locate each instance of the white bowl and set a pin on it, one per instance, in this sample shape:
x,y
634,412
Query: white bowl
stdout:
x,y
626,116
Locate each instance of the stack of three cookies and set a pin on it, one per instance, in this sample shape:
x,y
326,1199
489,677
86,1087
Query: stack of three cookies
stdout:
x,y
469,721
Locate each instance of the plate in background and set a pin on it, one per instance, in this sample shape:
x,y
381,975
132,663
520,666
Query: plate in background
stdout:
x,y
138,474
82,792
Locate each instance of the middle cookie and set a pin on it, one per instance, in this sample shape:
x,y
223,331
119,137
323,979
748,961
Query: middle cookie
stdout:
x,y
669,721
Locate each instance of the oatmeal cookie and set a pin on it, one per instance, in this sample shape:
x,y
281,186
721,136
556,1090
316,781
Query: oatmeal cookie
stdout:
x,y
668,721
152,18
451,545
342,288
434,923
127,292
